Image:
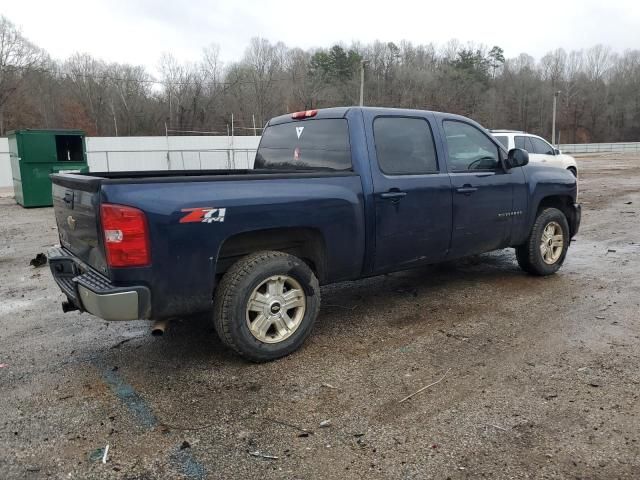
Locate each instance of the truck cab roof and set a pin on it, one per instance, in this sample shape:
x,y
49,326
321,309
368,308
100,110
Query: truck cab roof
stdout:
x,y
342,112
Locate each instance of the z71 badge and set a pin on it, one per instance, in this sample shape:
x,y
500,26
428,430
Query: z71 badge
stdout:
x,y
203,215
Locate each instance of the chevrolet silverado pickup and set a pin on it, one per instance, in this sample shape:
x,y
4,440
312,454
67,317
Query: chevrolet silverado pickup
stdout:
x,y
335,194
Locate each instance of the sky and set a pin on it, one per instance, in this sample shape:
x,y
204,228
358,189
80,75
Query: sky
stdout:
x,y
139,31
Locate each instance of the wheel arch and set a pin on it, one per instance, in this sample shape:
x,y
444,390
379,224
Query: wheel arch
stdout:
x,y
564,203
305,243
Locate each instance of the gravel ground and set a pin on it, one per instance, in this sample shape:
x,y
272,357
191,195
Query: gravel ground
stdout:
x,y
541,373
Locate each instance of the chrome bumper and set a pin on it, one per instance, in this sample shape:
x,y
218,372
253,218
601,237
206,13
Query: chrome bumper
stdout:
x,y
110,306
91,292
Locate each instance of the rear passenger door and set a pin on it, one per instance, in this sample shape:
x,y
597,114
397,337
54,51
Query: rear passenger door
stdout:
x,y
482,189
412,191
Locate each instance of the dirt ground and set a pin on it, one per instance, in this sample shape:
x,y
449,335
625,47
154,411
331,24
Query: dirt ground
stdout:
x,y
542,377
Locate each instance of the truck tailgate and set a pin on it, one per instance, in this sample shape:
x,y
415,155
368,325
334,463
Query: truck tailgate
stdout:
x,y
76,203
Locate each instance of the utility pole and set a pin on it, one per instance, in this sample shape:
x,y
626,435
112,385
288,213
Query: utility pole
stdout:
x,y
253,118
166,135
115,121
553,123
233,152
362,62
169,88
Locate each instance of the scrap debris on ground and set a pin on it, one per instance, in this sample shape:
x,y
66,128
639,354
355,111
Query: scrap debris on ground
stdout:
x,y
39,260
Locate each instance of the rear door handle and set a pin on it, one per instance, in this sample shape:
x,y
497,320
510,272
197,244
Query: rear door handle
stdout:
x,y
393,195
467,189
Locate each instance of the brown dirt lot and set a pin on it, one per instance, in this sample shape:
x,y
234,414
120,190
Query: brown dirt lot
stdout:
x,y
542,382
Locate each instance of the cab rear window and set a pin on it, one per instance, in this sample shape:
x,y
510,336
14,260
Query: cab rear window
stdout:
x,y
321,144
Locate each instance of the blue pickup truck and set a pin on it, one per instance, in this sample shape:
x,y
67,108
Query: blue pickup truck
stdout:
x,y
335,194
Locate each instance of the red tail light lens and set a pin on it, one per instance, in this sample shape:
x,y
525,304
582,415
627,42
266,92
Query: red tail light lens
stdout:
x,y
126,236
304,114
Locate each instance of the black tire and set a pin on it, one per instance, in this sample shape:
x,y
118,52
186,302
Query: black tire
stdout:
x,y
235,290
573,171
529,255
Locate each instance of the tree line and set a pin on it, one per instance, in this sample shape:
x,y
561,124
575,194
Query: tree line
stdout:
x,y
598,99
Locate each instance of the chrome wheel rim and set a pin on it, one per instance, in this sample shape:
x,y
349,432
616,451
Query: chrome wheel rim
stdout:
x,y
551,243
275,309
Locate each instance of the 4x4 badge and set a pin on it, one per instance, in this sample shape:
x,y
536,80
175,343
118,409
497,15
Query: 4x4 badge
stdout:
x,y
203,215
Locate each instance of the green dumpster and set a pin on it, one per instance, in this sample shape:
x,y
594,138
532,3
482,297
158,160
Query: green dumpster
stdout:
x,y
35,154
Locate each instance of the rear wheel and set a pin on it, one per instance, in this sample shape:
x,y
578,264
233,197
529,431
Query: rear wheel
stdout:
x,y
546,248
266,305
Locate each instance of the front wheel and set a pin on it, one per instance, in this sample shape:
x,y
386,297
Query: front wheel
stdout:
x,y
266,305
546,248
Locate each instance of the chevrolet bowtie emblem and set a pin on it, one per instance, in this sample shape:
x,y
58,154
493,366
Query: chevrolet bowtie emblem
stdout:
x,y
71,222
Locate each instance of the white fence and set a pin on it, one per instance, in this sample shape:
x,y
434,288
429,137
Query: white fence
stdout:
x,y
619,147
170,153
116,154
206,152
6,180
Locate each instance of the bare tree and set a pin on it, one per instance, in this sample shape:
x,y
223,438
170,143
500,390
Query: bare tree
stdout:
x,y
129,92
17,57
184,90
600,99
262,66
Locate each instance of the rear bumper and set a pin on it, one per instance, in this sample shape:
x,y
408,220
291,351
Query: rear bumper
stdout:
x,y
575,220
91,292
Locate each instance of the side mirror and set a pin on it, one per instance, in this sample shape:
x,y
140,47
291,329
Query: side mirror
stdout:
x,y
556,151
517,158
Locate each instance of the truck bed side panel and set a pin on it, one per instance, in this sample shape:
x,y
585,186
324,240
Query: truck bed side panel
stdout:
x,y
184,254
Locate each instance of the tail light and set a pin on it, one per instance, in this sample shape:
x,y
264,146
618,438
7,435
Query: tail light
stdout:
x,y
126,236
304,114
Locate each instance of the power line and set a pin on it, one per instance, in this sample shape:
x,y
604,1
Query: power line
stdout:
x,y
169,130
147,81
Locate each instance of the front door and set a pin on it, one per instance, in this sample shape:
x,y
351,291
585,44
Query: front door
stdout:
x,y
482,190
412,192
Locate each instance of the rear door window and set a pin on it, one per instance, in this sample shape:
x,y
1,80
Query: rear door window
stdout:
x,y
404,146
321,144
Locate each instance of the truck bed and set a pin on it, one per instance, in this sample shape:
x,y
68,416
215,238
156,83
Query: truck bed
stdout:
x,y
270,202
91,181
